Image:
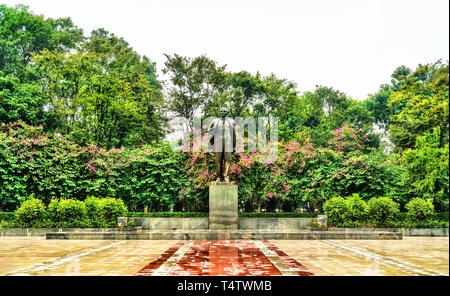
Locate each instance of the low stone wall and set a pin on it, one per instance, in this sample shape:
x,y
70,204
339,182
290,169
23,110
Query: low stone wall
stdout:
x,y
404,231
202,223
250,224
44,231
225,235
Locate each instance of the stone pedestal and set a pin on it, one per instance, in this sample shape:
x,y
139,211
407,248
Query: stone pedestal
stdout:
x,y
223,206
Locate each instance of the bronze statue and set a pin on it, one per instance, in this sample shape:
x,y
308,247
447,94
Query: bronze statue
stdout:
x,y
223,128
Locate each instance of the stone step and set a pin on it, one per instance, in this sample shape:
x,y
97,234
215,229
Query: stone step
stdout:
x,y
224,235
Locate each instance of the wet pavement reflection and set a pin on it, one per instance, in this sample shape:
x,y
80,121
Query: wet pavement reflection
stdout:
x,y
410,256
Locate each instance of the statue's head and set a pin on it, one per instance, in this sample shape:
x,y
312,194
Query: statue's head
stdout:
x,y
223,111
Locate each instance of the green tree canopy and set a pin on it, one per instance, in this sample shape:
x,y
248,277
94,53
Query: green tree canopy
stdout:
x,y
105,93
23,33
419,105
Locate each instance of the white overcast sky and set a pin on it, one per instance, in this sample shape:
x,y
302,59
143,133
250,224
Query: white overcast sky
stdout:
x,y
353,46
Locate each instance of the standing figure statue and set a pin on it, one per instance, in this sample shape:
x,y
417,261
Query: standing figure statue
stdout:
x,y
223,139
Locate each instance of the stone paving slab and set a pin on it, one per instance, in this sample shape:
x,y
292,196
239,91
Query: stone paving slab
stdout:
x,y
223,235
410,256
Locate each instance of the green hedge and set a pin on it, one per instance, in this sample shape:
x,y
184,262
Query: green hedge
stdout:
x,y
7,216
443,216
277,215
168,214
66,213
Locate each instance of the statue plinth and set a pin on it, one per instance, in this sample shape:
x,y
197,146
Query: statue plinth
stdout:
x,y
223,206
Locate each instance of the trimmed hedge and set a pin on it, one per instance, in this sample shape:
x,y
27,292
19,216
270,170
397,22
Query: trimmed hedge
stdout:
x,y
277,215
30,212
66,213
7,216
168,214
420,210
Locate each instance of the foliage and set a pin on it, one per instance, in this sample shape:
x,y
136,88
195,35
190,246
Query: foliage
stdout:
x,y
302,176
67,212
110,209
420,210
30,212
7,216
24,33
428,169
193,83
421,105
51,166
20,101
327,109
382,210
168,214
277,215
105,93
337,210
342,210
358,209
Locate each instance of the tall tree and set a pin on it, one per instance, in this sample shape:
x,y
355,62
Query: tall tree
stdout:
x,y
193,86
23,33
105,93
22,101
327,109
419,105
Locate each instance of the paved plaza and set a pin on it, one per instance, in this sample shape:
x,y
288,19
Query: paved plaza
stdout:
x,y
41,257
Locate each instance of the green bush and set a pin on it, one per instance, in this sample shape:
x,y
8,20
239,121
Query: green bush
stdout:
x,y
92,207
67,213
7,216
357,207
337,210
30,212
382,210
443,216
110,209
420,210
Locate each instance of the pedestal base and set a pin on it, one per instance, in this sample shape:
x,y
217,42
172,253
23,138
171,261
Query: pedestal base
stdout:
x,y
223,206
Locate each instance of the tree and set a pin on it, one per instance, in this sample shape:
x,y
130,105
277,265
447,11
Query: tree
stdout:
x,y
419,105
193,84
104,94
428,168
20,101
243,91
376,104
327,109
24,33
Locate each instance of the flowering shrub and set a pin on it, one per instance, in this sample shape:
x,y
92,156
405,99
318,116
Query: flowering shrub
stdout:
x,y
347,139
155,178
50,166
302,175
